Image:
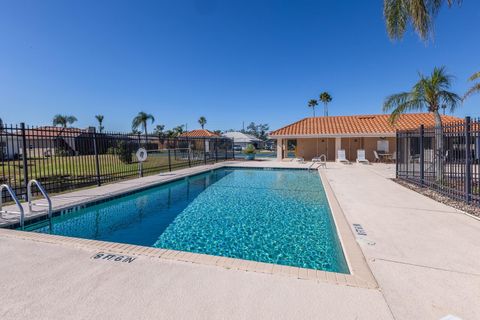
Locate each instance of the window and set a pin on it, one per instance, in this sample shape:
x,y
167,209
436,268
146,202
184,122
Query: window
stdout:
x,y
382,145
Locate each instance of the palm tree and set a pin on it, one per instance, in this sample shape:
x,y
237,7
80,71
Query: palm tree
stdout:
x,y
430,92
141,121
63,120
476,86
202,121
159,129
99,118
326,98
312,103
420,13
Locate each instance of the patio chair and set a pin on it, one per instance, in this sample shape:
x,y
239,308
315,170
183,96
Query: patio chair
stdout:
x,y
375,154
394,156
298,160
361,157
341,157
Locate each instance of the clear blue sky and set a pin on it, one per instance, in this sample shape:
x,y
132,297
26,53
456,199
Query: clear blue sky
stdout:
x,y
228,60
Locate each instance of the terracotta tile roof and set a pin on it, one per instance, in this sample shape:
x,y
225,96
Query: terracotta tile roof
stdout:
x,y
358,125
199,133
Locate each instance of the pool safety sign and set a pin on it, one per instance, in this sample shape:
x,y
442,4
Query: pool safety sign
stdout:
x,y
113,257
141,154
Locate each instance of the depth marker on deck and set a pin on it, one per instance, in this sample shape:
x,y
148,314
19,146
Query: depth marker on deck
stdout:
x,y
112,257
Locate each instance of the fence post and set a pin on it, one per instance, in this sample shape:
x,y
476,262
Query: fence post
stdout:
x,y
233,150
189,162
422,156
397,142
169,162
205,150
24,159
468,161
216,150
97,161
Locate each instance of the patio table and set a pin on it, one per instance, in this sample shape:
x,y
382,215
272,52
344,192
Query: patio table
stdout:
x,y
385,156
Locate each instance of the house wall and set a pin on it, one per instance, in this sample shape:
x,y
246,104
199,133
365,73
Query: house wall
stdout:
x,y
9,147
370,144
307,147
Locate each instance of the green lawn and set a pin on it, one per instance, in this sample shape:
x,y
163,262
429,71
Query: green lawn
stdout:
x,y
83,166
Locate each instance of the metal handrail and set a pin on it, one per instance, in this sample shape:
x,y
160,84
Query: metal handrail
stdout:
x,y
321,163
14,197
43,192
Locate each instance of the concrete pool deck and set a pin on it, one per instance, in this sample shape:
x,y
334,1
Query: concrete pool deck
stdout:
x,y
424,256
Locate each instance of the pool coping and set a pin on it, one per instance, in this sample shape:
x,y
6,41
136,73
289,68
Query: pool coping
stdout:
x,y
360,273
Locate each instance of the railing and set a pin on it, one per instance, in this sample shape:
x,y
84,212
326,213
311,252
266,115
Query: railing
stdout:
x,y
64,159
44,193
13,196
450,166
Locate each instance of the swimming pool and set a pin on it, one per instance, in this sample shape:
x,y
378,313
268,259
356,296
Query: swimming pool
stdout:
x,y
278,216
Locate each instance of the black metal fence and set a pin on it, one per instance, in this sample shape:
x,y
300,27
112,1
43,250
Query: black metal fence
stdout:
x,y
67,158
450,166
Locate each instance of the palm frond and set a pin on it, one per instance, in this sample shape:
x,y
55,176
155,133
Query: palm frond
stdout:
x,y
312,103
419,13
475,76
472,90
396,17
71,119
450,99
401,103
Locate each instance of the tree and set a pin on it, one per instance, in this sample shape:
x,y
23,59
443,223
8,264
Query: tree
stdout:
x,y
475,88
99,118
1,124
259,131
312,103
175,132
140,121
419,13
158,130
63,120
202,121
430,92
325,98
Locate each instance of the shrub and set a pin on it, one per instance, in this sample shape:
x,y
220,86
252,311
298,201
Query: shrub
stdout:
x,y
250,149
124,151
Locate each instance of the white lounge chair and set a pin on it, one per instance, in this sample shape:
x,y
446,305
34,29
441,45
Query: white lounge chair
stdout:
x,y
375,154
361,157
341,157
298,160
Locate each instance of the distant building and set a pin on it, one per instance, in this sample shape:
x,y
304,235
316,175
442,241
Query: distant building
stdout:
x,y
326,135
242,139
199,133
207,143
45,141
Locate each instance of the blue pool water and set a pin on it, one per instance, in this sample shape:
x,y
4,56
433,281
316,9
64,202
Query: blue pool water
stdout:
x,y
274,216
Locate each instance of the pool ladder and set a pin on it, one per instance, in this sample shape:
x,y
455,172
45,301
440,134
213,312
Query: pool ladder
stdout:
x,y
322,162
14,197
21,211
44,194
